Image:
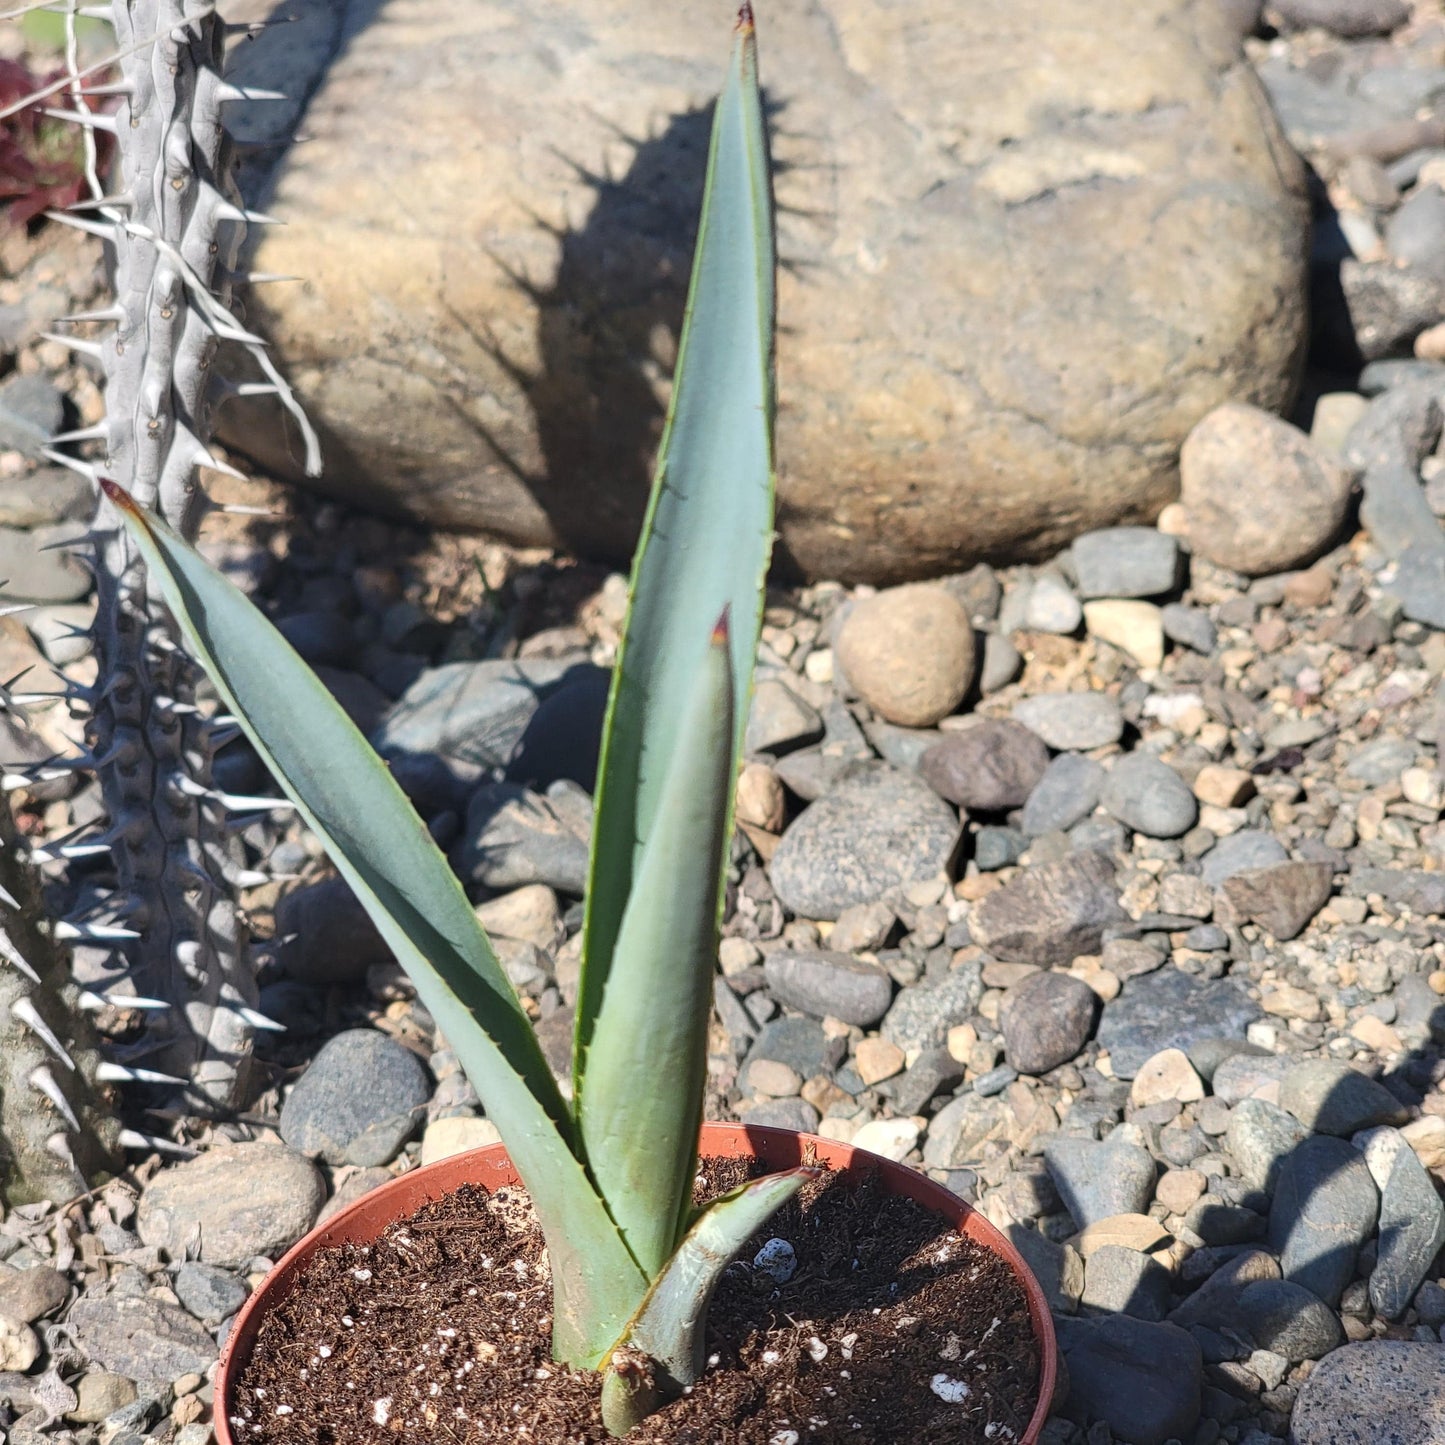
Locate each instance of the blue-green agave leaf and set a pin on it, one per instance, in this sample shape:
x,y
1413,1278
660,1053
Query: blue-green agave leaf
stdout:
x,y
663,1349
704,551
641,1107
382,848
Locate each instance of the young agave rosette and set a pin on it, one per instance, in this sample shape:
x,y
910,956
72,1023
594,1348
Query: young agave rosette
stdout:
x,y
633,1264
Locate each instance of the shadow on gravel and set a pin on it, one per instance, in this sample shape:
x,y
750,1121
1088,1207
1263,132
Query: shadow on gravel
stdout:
x,y
1320,1213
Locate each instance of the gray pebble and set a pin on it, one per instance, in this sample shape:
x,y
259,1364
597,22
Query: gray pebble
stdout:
x,y
1050,912
144,1339
1097,1180
473,715
799,1043
1286,1318
933,1072
1189,627
197,1200
1260,1137
31,409
1072,721
513,836
1142,1380
1412,1231
995,1081
921,1016
1124,1281
779,721
1329,1097
1238,852
1414,233
1170,1010
358,1102
1382,761
209,1293
1148,796
35,568
1126,562
328,937
1065,795
1324,1208
827,982
1052,607
1002,663
995,848
990,767
795,1114
48,495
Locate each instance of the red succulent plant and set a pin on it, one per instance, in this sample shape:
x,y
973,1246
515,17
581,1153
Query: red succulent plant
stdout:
x,y
42,158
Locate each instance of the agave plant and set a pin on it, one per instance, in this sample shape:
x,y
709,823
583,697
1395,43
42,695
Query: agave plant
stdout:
x,y
611,1173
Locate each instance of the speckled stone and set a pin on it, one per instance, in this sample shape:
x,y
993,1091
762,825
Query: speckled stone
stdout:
x,y
877,829
1380,1392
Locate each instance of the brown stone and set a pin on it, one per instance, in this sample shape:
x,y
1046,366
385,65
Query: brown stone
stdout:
x,y
493,221
1261,497
908,652
1281,899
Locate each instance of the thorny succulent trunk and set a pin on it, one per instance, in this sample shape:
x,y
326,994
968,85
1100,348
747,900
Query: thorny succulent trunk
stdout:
x,y
175,226
53,1132
170,843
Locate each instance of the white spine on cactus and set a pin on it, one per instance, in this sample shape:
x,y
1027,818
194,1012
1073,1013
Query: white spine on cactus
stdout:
x,y
51,1133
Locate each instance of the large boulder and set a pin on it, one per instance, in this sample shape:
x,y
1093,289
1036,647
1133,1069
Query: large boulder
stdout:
x,y
1026,245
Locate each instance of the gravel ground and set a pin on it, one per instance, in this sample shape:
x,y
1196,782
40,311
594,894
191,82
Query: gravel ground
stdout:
x,y
1108,891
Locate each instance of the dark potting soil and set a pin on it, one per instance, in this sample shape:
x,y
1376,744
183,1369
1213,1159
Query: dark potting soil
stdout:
x,y
890,1327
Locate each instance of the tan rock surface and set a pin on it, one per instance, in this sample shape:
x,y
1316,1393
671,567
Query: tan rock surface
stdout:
x,y
1015,274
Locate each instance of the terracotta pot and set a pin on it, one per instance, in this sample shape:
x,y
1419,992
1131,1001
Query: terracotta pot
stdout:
x,y
364,1221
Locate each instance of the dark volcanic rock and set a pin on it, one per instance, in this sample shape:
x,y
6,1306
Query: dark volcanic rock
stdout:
x,y
1046,1020
1050,913
991,767
1171,1010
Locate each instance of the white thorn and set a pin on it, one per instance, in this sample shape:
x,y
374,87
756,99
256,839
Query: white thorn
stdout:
x,y
13,954
93,932
9,899
227,91
96,120
129,1139
25,1011
120,1074
74,463
43,1080
251,878
119,202
237,803
81,434
104,313
58,1145
106,230
91,1002
256,1019
76,343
